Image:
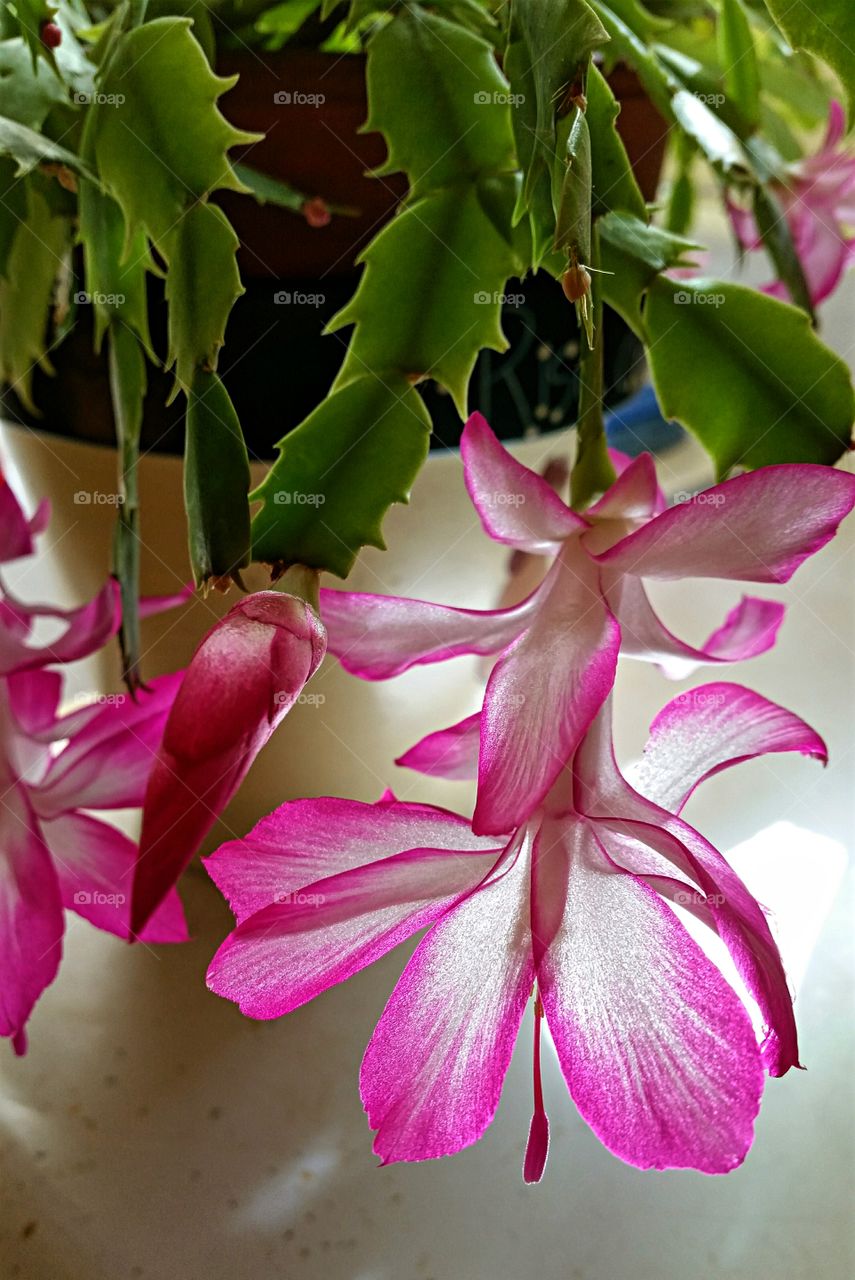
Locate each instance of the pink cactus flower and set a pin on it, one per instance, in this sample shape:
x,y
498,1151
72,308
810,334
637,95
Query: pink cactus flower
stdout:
x,y
16,529
82,630
657,1050
818,202
243,679
559,647
55,856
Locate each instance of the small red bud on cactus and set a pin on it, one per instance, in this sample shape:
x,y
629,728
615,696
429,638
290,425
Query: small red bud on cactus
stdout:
x,y
316,212
576,283
50,35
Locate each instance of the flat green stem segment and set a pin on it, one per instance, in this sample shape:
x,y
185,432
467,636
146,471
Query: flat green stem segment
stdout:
x,y
326,494
156,133
216,483
429,299
764,390
823,29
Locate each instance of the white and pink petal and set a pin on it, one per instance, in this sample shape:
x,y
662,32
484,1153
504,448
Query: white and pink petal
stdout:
x,y
635,494
31,919
448,753
751,628
107,762
16,529
625,818
757,527
320,935
84,629
307,840
516,505
705,730
543,694
433,1072
656,1048
377,637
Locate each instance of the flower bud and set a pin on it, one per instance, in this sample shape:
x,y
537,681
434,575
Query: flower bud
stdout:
x,y
245,676
576,282
50,35
316,212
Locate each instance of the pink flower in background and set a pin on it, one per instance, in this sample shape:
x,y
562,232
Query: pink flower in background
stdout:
x,y
71,633
54,854
558,648
16,529
819,205
75,632
657,1050
245,676
83,630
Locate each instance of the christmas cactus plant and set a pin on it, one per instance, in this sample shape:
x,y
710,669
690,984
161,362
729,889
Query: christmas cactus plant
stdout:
x,y
115,141
114,135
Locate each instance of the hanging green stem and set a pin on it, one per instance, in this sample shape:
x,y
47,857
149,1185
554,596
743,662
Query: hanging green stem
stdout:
x,y
127,388
592,471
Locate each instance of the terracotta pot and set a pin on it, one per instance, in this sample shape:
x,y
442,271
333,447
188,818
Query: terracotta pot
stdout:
x,y
318,148
310,107
642,129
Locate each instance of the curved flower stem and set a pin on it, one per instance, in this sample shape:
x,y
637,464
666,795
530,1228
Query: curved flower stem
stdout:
x,y
592,471
299,580
127,389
